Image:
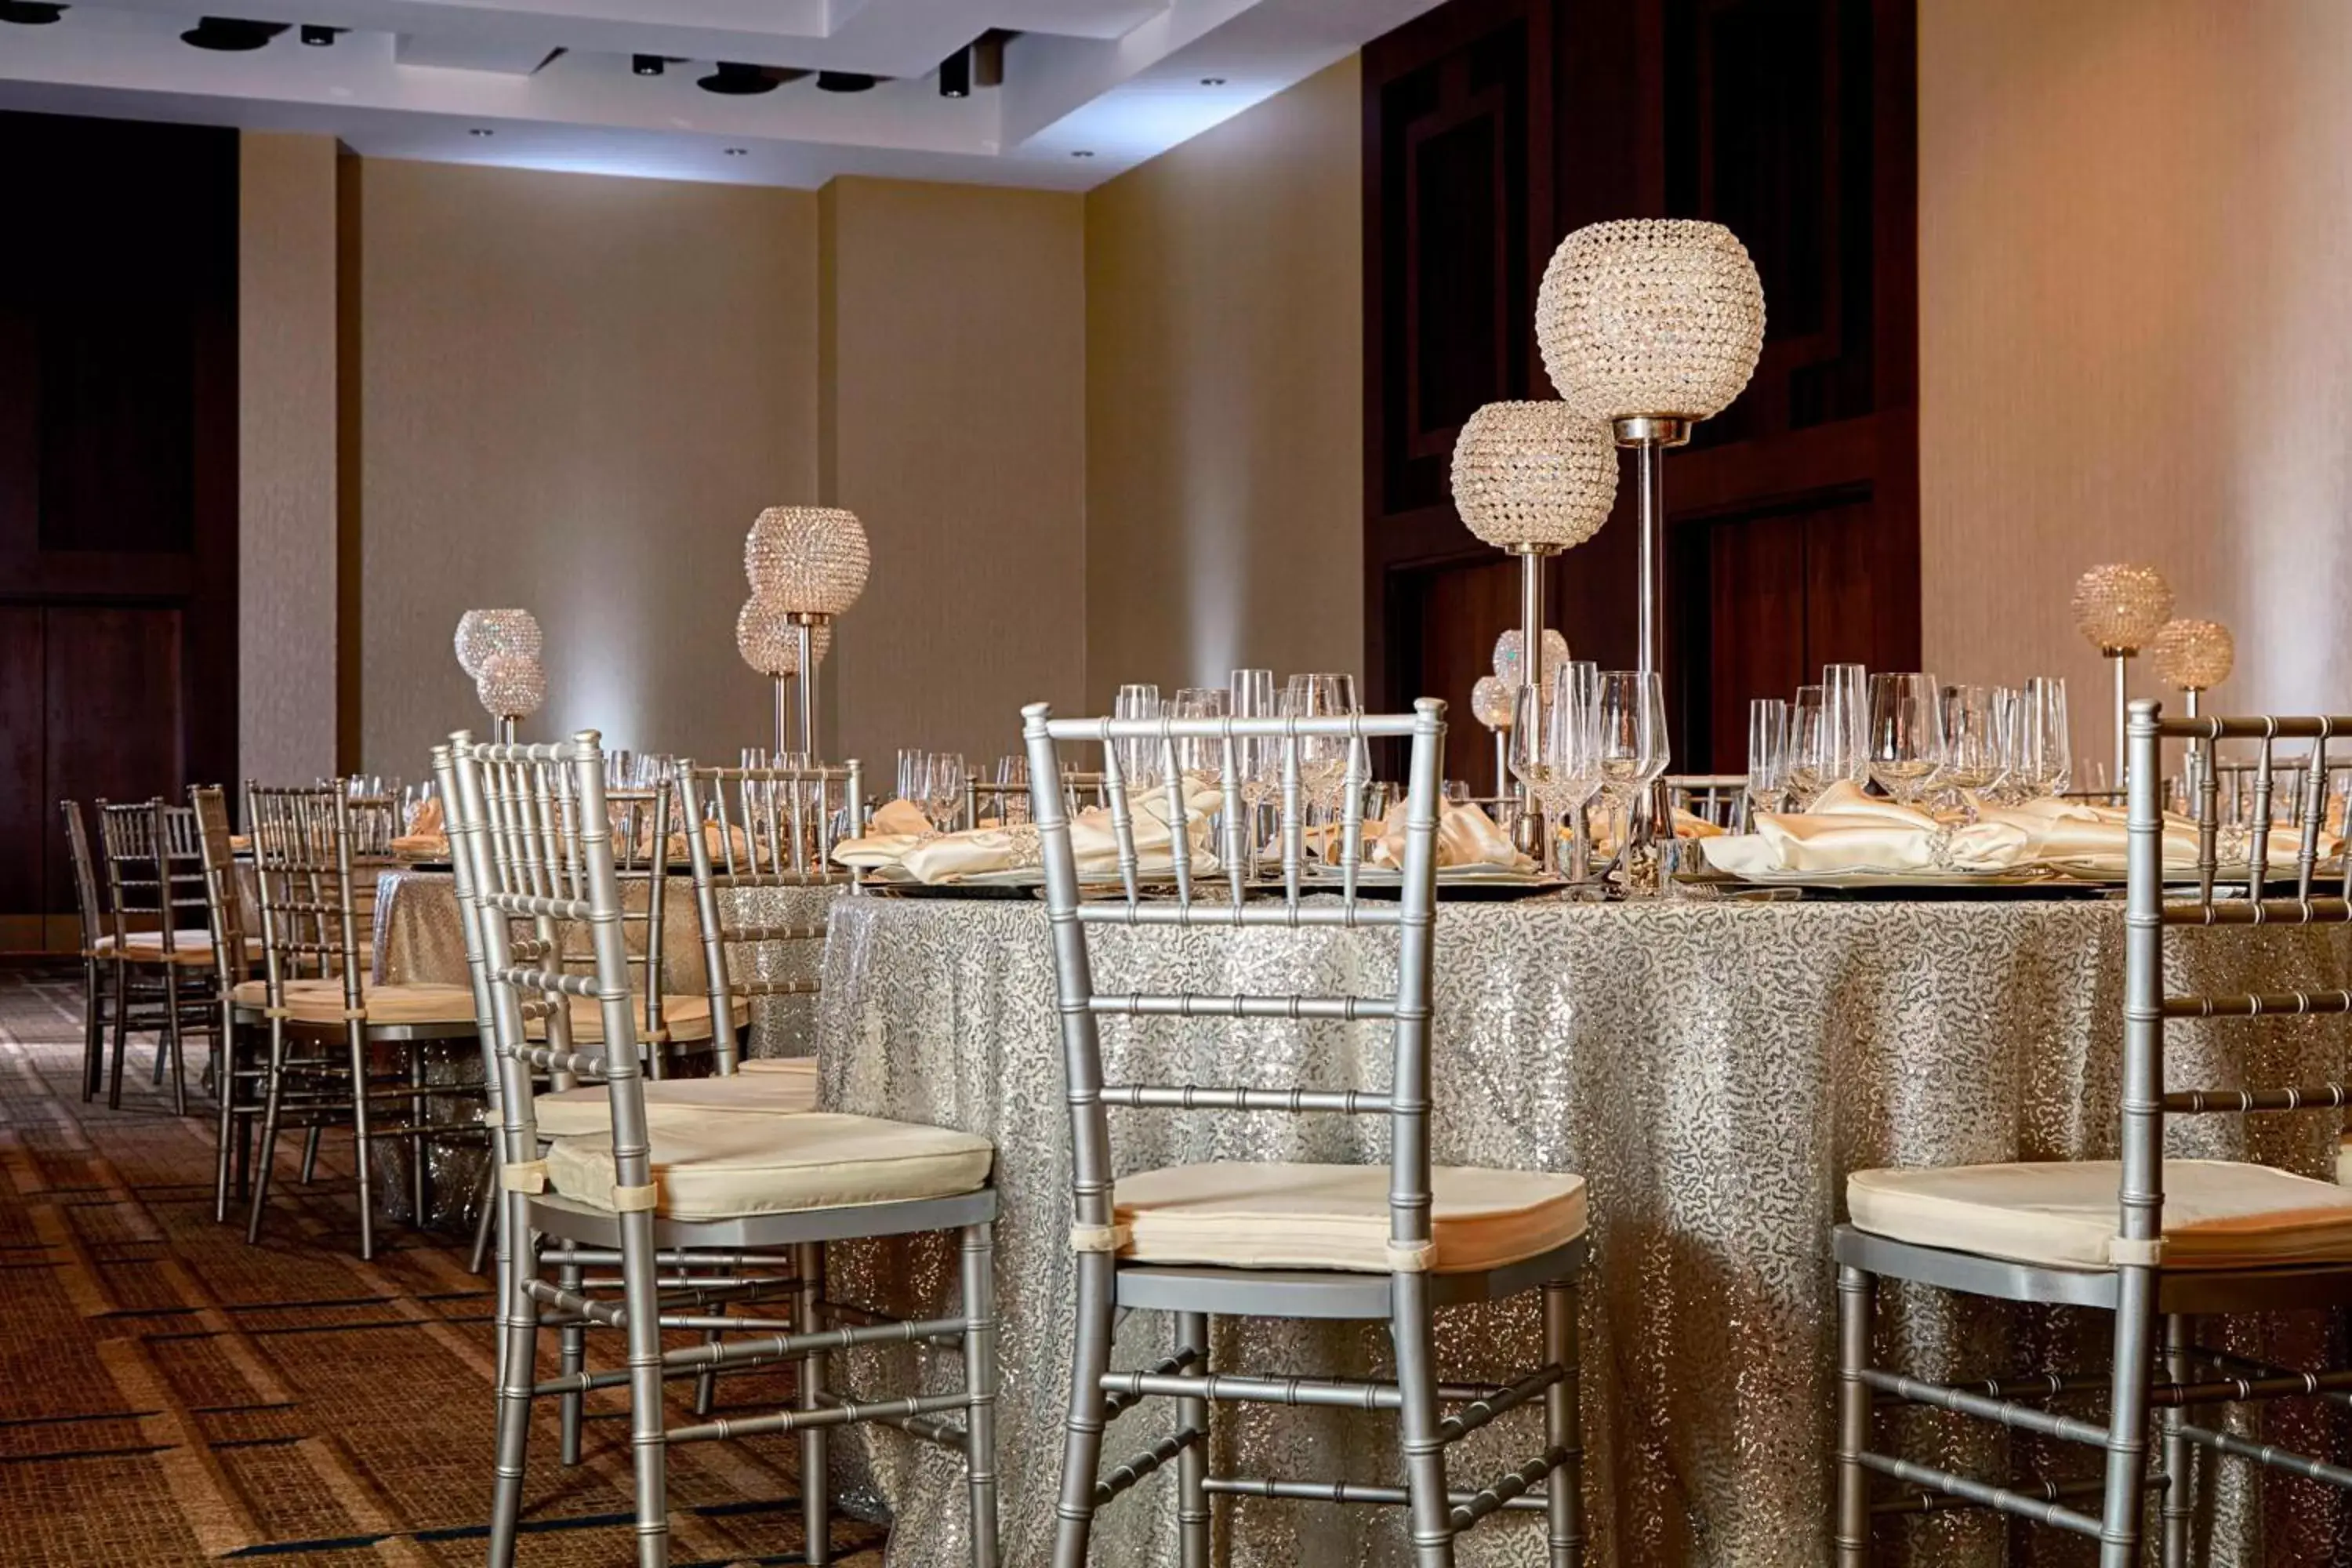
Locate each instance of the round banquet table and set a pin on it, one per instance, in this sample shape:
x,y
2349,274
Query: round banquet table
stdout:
x,y
1714,1068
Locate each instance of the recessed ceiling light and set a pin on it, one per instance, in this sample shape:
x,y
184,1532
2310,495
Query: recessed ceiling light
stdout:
x,y
737,80
28,13
1212,82
844,81
736,152
646,65
1082,152
319,37
481,130
955,74
231,35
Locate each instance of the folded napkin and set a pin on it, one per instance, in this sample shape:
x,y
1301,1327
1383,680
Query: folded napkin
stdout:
x,y
422,846
939,857
1465,837
1603,825
898,816
2095,837
425,822
1848,831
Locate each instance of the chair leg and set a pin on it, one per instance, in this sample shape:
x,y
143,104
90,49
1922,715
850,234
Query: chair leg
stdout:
x,y
2119,1519
817,1502
1193,1516
94,1029
311,1153
1083,1428
223,1143
648,1443
1857,1301
980,1387
1432,1512
2179,1507
420,1167
486,1220
517,1367
273,1103
1563,1428
122,1033
570,1355
173,1042
705,1382
363,1142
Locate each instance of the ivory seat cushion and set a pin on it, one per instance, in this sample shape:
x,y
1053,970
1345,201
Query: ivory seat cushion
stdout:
x,y
187,947
727,1164
577,1111
321,1002
684,1018
1248,1215
2218,1213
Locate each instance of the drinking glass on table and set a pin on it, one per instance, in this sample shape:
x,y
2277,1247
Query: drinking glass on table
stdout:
x,y
1322,759
1531,758
914,775
1630,707
1202,759
1906,733
1252,694
947,794
1973,764
1811,748
1845,698
1139,761
1570,761
1767,753
2044,739
1012,780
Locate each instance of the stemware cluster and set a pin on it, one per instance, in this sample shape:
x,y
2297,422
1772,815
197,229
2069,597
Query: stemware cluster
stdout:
x,y
1920,742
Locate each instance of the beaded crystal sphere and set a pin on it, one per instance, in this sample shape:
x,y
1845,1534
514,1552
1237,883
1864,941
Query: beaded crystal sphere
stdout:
x,y
1659,317
1509,667
2120,606
483,635
1534,473
1490,701
769,643
512,686
2195,656
810,559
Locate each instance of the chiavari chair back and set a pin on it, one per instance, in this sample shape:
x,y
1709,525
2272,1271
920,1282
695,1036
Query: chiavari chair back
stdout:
x,y
160,945
2159,1243
325,1014
97,967
751,1194
236,1079
1719,800
1386,1243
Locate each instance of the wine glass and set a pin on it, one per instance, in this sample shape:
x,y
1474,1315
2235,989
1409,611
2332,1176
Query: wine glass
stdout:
x,y
1767,753
1202,759
1322,759
1630,709
1531,757
1906,733
1810,747
1571,746
1138,760
1251,694
1012,780
947,779
914,774
2045,738
1845,698
1973,764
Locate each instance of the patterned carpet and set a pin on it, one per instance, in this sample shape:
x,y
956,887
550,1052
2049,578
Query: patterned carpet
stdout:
x,y
169,1396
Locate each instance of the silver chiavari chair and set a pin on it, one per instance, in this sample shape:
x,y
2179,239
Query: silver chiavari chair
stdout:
x,y
987,801
237,1073
154,877
754,1197
97,967
2183,1241
1202,1241
1719,800
327,1018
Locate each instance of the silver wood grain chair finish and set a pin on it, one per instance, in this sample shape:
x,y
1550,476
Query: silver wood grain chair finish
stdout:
x,y
1718,799
98,996
2158,1243
161,946
1238,1240
670,1197
237,1071
328,1022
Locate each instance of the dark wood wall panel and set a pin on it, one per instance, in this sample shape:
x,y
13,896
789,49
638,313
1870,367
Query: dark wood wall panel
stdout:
x,y
118,478
1793,531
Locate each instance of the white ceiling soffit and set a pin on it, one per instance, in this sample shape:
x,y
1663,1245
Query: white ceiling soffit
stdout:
x,y
1090,87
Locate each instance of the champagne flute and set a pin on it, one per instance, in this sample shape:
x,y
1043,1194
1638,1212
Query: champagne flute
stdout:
x,y
1531,759
1630,711
1250,694
1972,752
948,778
1906,733
1845,697
1202,759
1013,785
2047,739
1138,760
1322,759
1767,753
1810,747
1572,743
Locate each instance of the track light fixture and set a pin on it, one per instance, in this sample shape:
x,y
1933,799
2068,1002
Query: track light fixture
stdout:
x,y
231,35
736,79
319,37
844,81
29,13
646,65
988,56
955,75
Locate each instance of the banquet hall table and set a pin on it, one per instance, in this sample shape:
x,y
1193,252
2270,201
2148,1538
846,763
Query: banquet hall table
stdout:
x,y
1713,1067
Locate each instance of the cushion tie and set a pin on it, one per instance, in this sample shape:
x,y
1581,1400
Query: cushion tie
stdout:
x,y
1098,1237
635,1200
524,1176
1414,1259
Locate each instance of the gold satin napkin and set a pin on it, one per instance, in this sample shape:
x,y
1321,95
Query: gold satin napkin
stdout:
x,y
1847,830
422,846
426,821
1467,836
2095,837
934,859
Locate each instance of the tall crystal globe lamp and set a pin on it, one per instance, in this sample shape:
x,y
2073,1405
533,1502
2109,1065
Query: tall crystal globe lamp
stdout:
x,y
1490,703
2120,608
1533,480
810,563
770,643
484,635
512,687
1648,326
2194,656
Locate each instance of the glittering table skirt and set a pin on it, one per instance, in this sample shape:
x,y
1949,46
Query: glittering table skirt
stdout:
x,y
418,937
1713,1069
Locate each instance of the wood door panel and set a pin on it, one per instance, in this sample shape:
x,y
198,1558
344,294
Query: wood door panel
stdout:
x,y
1755,625
111,698
1456,612
23,850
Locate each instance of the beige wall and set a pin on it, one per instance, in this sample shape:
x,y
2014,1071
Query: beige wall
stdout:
x,y
2134,222
1224,399
953,423
286,456
578,392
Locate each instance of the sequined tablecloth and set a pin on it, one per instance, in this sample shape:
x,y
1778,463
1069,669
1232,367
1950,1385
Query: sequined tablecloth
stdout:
x,y
1713,1069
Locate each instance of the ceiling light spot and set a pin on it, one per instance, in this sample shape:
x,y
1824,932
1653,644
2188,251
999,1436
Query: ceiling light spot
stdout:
x,y
481,130
231,35
646,65
1212,82
1082,152
319,37
736,152
29,13
737,80
844,81
955,75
